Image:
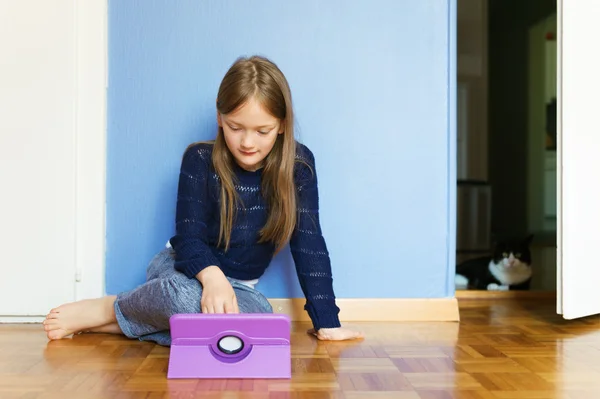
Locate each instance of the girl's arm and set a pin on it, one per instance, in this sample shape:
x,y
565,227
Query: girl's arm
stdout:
x,y
309,249
312,258
193,256
192,253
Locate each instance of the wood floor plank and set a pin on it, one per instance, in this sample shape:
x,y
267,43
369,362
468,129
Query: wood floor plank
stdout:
x,y
513,348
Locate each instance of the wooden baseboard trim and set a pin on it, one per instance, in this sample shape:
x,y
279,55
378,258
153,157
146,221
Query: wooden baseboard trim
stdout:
x,y
377,309
476,294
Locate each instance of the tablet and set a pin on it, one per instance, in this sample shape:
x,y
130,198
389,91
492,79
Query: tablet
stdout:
x,y
241,345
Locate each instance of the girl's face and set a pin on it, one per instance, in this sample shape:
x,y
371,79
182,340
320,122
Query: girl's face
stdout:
x,y
250,133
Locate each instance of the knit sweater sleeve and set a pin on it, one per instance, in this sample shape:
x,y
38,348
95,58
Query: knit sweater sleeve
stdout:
x,y
309,249
192,253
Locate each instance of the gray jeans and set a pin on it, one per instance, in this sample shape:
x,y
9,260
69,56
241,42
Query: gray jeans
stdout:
x,y
143,312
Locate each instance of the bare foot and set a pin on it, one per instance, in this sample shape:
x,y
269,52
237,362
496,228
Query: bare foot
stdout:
x,y
81,315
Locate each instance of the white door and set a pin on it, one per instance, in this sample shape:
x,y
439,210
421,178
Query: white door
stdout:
x,y
579,159
37,156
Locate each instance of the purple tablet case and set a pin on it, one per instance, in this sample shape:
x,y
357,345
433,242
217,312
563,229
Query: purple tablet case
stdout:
x,y
243,345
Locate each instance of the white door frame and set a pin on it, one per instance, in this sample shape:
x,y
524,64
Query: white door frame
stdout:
x,y
559,162
578,141
90,80
91,76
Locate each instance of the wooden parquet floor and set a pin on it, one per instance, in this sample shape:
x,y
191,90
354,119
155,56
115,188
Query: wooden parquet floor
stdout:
x,y
501,349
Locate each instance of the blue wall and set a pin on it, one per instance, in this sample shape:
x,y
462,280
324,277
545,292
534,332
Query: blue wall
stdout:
x,y
372,88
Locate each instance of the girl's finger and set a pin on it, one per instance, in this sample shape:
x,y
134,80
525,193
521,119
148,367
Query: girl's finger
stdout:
x,y
219,307
236,308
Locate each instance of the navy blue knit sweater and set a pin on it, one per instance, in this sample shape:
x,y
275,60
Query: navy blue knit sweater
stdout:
x,y
197,230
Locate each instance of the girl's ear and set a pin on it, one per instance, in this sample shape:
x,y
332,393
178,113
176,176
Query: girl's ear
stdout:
x,y
219,121
281,127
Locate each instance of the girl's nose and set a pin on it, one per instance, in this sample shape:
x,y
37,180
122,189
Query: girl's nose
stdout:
x,y
246,142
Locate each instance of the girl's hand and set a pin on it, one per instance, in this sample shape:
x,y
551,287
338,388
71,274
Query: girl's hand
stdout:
x,y
335,334
218,295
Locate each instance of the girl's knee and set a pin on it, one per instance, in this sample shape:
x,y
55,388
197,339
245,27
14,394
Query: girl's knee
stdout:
x,y
253,302
160,264
265,307
184,294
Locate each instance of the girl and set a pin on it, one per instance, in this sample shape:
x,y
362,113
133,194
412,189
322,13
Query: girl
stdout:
x,y
240,199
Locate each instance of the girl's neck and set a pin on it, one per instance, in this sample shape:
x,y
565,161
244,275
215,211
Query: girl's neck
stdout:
x,y
245,173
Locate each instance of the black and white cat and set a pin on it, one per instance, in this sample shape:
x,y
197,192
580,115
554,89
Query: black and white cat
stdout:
x,y
509,268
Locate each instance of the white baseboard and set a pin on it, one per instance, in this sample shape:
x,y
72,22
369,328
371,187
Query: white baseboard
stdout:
x,y
377,309
21,319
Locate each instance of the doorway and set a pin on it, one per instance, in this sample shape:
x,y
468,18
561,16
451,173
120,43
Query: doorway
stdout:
x,y
506,149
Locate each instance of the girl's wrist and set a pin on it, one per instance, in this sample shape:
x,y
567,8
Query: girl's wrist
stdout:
x,y
209,273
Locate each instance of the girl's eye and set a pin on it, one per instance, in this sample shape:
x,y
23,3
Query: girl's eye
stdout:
x,y
234,128
263,132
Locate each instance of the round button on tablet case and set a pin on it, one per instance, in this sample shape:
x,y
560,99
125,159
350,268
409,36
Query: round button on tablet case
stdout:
x,y
230,345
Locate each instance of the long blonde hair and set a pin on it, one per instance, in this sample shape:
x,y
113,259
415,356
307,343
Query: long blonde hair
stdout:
x,y
259,78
